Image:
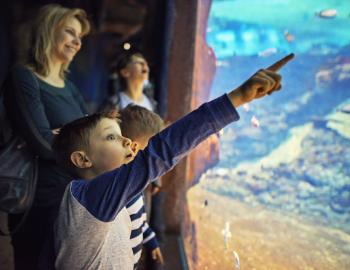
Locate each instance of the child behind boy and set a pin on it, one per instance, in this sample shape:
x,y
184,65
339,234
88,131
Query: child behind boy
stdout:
x,y
139,125
92,229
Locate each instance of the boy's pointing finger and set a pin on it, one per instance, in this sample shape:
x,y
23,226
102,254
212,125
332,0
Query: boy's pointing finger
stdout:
x,y
280,63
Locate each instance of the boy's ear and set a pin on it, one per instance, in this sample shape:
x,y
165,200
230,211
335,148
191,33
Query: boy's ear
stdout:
x,y
134,147
80,160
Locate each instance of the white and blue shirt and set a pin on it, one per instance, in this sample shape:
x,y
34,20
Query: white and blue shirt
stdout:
x,y
141,232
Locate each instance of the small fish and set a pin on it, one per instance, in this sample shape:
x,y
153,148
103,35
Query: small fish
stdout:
x,y
222,63
267,52
246,107
255,122
327,13
288,36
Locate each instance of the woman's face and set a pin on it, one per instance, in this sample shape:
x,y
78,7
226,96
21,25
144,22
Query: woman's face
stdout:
x,y
68,41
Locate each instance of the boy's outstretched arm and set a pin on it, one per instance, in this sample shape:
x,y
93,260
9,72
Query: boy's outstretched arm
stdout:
x,y
262,83
107,194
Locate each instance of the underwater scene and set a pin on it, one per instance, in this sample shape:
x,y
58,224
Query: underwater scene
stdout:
x,y
279,198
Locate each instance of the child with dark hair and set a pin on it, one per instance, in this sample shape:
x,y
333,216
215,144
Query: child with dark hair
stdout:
x,y
128,83
139,125
92,229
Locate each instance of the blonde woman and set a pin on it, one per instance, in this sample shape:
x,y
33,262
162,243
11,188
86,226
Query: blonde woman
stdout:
x,y
48,101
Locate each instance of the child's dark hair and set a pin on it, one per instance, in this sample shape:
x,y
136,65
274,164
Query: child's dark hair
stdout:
x,y
123,60
75,136
137,121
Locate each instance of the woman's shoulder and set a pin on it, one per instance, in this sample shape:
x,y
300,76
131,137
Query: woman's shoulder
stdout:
x,y
21,70
23,75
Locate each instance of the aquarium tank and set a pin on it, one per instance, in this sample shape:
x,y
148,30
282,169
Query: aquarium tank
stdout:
x,y
279,198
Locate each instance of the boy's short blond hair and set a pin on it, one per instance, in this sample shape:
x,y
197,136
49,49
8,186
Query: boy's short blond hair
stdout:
x,y
137,121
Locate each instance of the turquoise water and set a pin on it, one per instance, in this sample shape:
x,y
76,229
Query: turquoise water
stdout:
x,y
242,28
316,86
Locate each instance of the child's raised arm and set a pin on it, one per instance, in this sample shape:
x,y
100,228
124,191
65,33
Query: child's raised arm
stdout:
x,y
262,83
106,195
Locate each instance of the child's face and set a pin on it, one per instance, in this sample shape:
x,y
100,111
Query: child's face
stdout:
x,y
137,69
108,148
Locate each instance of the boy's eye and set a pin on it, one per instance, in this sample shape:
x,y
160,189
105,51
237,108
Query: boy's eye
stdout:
x,y
110,137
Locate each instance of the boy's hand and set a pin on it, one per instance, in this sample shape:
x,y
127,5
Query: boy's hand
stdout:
x,y
262,83
157,255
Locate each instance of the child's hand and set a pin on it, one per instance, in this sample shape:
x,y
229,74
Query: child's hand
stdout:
x,y
56,131
154,189
157,255
262,83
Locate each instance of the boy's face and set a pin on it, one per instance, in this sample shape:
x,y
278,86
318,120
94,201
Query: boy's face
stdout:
x,y
108,148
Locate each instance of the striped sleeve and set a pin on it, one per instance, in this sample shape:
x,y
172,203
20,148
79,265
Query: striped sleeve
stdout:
x,y
149,237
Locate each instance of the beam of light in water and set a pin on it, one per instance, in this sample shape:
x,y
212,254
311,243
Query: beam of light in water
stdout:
x,y
237,262
226,233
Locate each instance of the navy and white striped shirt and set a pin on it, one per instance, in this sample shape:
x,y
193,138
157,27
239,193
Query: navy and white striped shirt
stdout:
x,y
141,232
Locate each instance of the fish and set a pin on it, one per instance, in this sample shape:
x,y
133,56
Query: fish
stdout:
x,y
327,13
222,63
255,122
267,52
246,107
288,36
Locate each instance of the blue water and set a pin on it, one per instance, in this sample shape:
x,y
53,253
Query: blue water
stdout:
x,y
240,28
297,82
246,39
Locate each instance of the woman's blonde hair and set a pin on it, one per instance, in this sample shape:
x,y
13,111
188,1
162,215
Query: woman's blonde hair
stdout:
x,y
42,35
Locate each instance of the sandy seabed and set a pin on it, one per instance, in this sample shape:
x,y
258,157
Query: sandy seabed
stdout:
x,y
263,239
